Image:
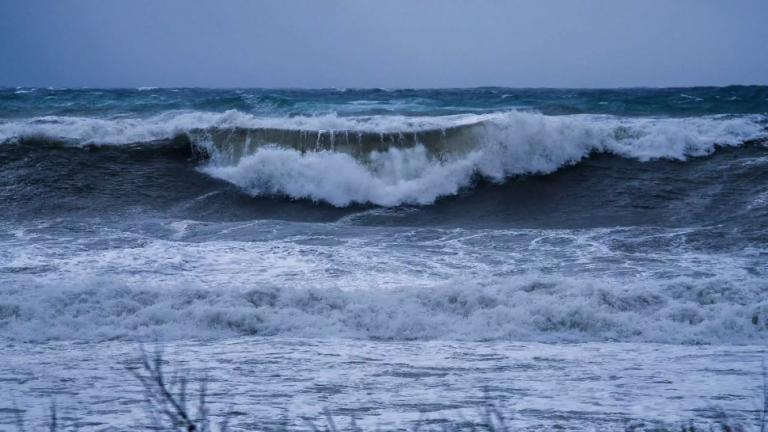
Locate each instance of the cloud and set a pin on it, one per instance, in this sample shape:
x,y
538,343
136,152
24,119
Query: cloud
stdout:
x,y
394,43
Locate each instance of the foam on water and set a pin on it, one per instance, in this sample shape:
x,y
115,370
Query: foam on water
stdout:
x,y
495,146
499,146
532,308
386,284
410,285
280,383
121,131
695,131
133,241
393,178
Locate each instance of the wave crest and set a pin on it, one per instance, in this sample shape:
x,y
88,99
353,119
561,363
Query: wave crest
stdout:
x,y
420,170
394,160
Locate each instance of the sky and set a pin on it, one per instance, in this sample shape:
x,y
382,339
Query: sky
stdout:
x,y
384,43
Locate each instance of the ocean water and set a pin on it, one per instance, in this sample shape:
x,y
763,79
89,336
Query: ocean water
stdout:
x,y
586,258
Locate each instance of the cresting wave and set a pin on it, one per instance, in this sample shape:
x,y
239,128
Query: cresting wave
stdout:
x,y
523,308
395,160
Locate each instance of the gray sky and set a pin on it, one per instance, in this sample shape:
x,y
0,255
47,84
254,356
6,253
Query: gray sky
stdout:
x,y
384,43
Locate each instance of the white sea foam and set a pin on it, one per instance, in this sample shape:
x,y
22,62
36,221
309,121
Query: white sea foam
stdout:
x,y
117,131
760,200
503,146
702,131
691,97
681,310
395,284
497,146
607,387
393,178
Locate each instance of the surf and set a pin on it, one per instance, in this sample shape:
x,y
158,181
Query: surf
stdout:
x,y
392,160
417,168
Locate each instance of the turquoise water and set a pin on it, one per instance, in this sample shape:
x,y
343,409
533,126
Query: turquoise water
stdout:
x,y
599,256
675,102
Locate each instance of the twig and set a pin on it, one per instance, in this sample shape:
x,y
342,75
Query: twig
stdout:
x,y
54,424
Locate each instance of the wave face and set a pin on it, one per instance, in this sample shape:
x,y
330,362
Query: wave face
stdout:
x,y
483,214
420,170
395,160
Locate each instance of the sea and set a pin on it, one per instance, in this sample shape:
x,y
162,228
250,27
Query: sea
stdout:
x,y
577,259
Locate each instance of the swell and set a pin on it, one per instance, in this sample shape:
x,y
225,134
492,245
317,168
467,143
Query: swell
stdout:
x,y
391,160
390,170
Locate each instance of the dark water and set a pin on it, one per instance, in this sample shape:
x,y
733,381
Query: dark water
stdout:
x,y
388,253
44,181
286,211
60,154
674,102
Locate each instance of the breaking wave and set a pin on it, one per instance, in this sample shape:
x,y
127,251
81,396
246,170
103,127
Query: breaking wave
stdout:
x,y
425,167
395,160
524,308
